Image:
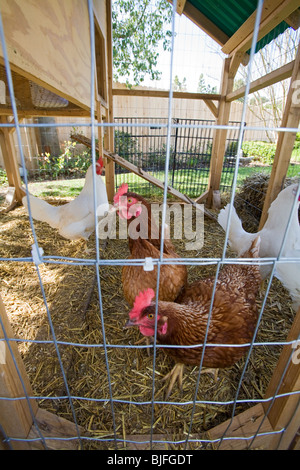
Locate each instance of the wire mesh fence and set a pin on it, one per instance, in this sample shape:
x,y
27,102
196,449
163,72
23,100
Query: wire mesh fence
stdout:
x,y
190,154
112,395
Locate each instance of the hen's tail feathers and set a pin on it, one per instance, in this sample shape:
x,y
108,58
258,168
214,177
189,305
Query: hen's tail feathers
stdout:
x,y
42,211
238,239
235,222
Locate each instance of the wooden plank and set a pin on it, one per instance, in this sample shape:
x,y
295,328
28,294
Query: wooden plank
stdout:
x,y
285,409
267,80
109,135
202,197
44,45
285,141
53,426
212,107
180,6
143,174
165,94
15,416
205,24
28,113
273,13
235,62
10,199
9,157
244,425
293,20
219,140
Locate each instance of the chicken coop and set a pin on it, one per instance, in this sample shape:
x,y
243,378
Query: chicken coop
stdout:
x,y
74,375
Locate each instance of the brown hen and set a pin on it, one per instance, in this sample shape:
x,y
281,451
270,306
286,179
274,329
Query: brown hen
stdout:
x,y
173,278
233,318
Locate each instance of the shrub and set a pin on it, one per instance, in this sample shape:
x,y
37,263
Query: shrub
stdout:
x,y
3,178
260,151
69,163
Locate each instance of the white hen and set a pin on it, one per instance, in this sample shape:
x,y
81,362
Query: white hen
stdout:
x,y
75,219
289,275
272,232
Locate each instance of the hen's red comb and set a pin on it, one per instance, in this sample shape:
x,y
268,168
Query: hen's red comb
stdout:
x,y
99,165
123,189
142,300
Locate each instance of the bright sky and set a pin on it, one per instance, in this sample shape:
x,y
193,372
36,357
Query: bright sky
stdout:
x,y
194,53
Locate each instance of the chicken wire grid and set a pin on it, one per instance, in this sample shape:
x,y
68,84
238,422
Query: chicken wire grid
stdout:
x,y
109,411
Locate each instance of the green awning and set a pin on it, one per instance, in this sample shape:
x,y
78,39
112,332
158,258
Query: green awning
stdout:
x,y
229,15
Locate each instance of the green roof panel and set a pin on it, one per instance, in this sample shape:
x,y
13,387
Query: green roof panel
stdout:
x,y
229,15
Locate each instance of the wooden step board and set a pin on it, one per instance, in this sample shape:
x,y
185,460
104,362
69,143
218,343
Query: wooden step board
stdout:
x,y
143,174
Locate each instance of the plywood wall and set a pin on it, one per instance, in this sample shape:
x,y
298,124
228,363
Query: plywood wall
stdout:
x,y
49,42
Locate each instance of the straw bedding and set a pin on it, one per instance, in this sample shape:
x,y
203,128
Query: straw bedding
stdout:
x,y
249,201
74,309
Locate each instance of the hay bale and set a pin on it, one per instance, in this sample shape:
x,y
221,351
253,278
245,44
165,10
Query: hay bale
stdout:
x,y
249,200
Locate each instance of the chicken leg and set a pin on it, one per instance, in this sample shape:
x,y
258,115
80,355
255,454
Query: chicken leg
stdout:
x,y
177,373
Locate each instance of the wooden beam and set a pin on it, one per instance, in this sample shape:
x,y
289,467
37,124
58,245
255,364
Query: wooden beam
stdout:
x,y
30,112
235,62
10,162
212,107
284,413
294,19
180,6
109,135
200,199
267,80
244,425
59,432
273,13
219,139
165,94
15,415
285,141
205,24
143,174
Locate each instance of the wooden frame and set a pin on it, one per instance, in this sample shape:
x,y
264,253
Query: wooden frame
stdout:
x,y
285,142
273,12
17,417
61,71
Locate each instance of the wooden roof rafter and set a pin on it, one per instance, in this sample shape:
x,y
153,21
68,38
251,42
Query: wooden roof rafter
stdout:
x,y
273,13
200,20
267,80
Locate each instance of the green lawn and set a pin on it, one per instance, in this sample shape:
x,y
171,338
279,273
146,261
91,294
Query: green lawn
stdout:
x,y
61,188
186,181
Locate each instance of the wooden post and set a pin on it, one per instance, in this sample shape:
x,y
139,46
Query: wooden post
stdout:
x,y
219,141
15,416
109,140
10,161
285,142
284,412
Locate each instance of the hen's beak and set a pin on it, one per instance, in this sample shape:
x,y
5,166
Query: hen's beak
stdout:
x,y
130,323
